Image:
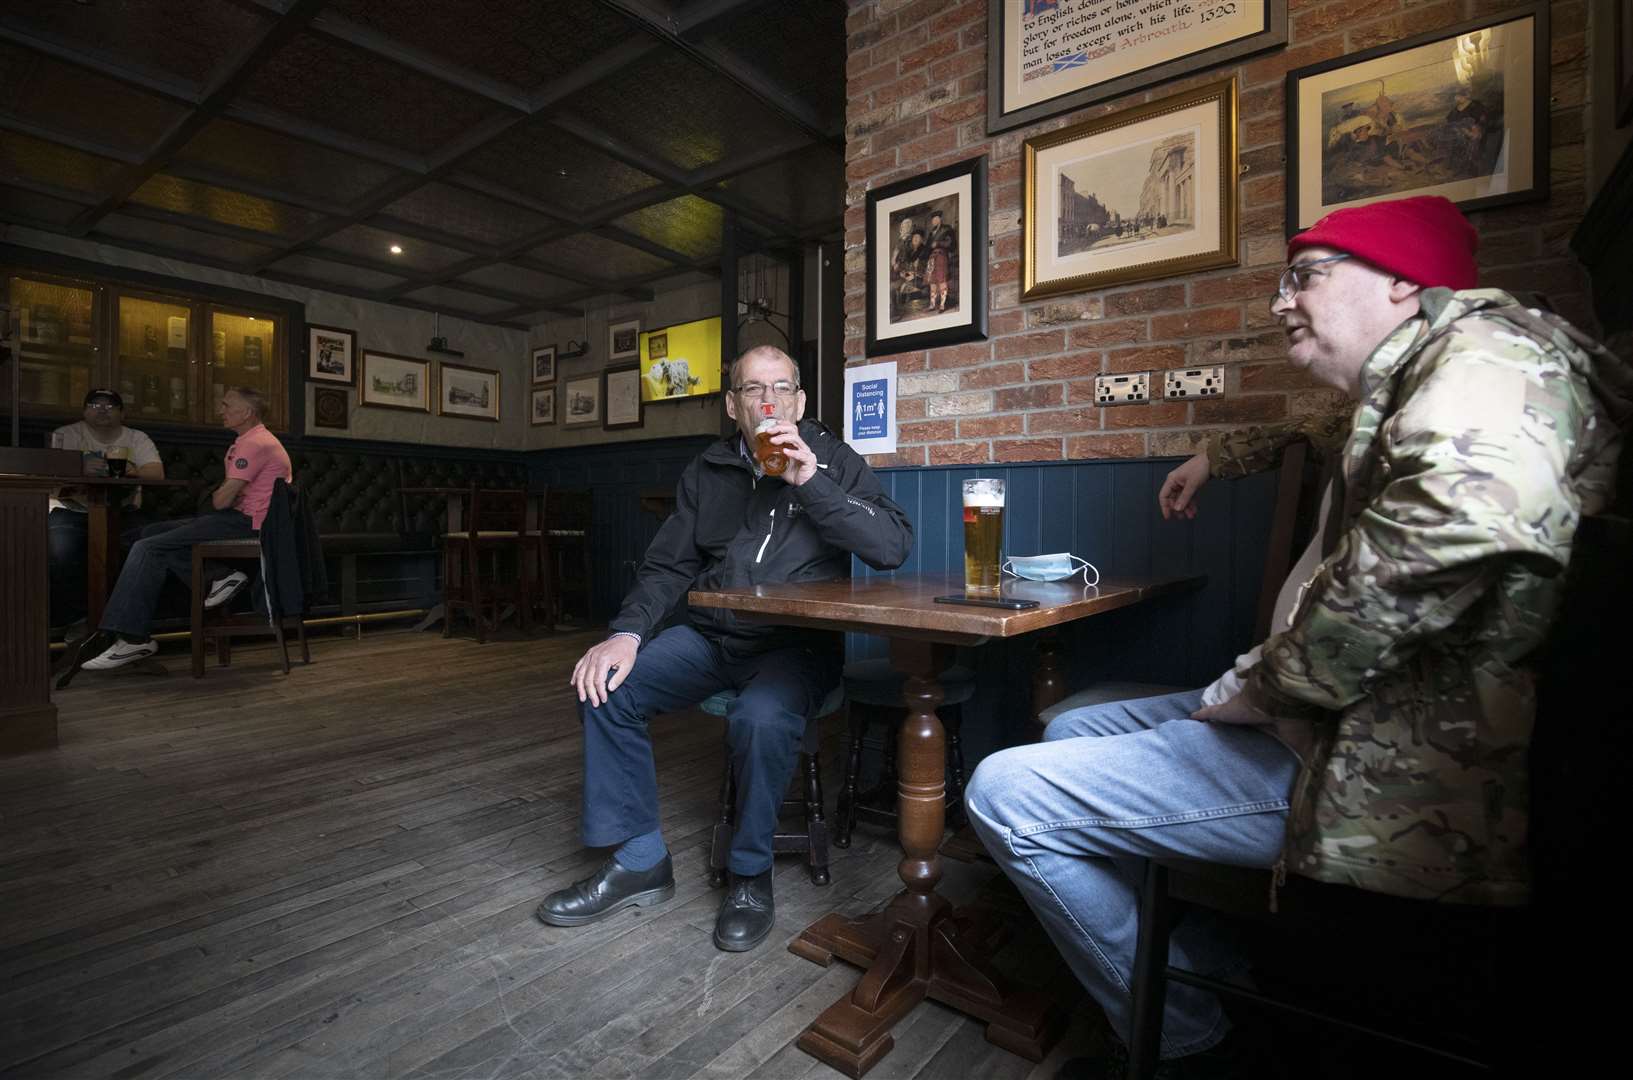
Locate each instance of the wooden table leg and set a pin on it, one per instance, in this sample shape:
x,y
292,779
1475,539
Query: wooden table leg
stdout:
x,y
101,551
917,946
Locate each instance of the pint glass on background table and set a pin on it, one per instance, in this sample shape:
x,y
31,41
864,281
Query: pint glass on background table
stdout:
x,y
118,461
983,534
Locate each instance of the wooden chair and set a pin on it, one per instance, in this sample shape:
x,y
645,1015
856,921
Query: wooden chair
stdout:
x,y
568,517
222,627
806,803
495,524
873,690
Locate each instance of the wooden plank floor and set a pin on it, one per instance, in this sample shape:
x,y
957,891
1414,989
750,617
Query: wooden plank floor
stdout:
x,y
333,875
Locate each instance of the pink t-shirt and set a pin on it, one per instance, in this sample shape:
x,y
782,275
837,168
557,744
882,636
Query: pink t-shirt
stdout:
x,y
259,459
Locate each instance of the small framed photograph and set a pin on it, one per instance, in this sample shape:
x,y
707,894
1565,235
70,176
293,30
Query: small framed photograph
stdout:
x,y
396,382
621,390
1460,112
581,401
472,393
544,407
544,364
330,407
624,339
1148,192
927,260
331,355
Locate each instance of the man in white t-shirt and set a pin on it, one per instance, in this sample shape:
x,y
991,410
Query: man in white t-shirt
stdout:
x,y
100,435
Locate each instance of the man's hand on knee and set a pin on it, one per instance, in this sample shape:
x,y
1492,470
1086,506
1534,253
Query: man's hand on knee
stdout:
x,y
603,669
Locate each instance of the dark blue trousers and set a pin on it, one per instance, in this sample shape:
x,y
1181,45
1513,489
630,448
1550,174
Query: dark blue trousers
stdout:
x,y
163,550
776,694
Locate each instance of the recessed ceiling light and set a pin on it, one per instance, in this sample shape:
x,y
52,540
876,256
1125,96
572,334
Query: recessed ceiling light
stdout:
x,y
396,249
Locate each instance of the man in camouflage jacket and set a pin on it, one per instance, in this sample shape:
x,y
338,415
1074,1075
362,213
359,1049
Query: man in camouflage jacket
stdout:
x,y
1379,738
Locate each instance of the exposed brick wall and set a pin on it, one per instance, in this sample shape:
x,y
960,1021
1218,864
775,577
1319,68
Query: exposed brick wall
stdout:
x,y
916,95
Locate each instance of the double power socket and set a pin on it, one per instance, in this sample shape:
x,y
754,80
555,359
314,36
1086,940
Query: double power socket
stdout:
x,y
1177,384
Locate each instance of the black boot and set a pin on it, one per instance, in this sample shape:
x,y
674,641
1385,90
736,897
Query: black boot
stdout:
x,y
609,889
746,914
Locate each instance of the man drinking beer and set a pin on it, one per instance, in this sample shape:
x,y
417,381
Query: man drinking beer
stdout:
x,y
734,525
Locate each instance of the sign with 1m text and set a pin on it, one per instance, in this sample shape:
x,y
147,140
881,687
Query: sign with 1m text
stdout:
x,y
870,408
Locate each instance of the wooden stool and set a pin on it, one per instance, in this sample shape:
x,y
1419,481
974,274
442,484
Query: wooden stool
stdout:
x,y
497,523
567,518
813,840
224,627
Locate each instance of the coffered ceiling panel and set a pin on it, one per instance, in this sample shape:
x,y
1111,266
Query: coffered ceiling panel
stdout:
x,y
64,98
599,257
188,39
335,85
53,164
221,205
798,187
521,42
269,159
486,221
177,238
417,256
440,296
32,208
686,114
519,279
338,274
556,169
688,225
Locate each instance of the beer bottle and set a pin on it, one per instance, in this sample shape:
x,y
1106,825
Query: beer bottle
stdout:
x,y
769,454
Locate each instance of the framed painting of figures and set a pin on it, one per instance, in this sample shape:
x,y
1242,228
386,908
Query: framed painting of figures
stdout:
x,y
1144,193
1461,112
927,260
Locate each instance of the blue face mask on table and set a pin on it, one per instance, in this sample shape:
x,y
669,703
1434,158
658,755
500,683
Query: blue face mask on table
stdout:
x,y
1056,567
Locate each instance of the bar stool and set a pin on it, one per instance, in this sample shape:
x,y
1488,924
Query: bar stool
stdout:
x,y
806,802
497,523
566,520
874,690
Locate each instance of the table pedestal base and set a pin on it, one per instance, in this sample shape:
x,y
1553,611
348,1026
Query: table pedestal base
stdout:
x,y
909,957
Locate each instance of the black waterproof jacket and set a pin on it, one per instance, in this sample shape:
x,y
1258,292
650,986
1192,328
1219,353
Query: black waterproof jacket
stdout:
x,y
731,530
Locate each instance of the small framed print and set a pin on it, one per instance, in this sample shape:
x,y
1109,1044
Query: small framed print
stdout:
x,y
330,407
471,393
544,365
581,401
544,407
331,354
621,390
1460,112
396,382
624,339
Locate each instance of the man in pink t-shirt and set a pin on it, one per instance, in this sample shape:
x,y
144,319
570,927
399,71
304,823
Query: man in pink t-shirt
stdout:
x,y
254,463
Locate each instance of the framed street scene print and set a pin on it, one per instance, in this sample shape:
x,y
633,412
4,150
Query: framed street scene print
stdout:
x,y
544,407
544,364
396,382
624,339
1046,57
927,260
581,401
1144,193
621,390
472,393
331,354
1460,112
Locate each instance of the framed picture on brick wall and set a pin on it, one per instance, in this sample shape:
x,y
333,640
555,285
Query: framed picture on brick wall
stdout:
x,y
1148,192
1460,112
1047,57
927,260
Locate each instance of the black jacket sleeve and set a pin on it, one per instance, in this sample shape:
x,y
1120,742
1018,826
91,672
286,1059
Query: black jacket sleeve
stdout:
x,y
851,511
671,564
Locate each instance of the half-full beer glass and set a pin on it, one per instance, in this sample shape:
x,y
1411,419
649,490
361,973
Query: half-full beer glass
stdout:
x,y
983,533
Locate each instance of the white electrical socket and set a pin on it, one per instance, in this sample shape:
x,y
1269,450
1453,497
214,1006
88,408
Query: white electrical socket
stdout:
x,y
1122,389
1194,382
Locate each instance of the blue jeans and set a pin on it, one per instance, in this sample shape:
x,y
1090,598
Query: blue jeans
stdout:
x,y
164,549
1071,819
776,693
69,545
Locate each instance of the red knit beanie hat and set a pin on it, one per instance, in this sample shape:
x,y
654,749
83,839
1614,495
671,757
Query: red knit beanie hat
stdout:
x,y
1424,239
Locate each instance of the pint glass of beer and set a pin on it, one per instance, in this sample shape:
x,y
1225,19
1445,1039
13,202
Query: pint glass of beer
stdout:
x,y
118,459
983,533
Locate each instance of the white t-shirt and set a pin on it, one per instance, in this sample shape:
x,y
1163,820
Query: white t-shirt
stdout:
x,y
82,437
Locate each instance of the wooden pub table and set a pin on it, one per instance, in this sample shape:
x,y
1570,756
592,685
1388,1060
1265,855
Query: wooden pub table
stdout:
x,y
917,945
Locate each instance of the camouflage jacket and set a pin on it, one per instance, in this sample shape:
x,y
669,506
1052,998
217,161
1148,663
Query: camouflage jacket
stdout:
x,y
1485,431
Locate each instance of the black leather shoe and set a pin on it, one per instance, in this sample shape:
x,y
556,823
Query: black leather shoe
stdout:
x,y
609,889
746,914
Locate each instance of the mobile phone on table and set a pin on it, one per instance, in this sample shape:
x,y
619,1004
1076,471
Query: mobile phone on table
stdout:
x,y
1010,602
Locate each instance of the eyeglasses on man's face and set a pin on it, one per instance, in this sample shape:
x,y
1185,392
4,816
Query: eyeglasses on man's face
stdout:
x,y
1297,277
101,406
782,388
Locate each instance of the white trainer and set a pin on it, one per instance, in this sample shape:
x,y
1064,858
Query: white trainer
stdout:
x,y
225,589
121,653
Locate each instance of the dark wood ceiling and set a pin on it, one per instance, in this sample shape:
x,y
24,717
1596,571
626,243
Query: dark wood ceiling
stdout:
x,y
529,157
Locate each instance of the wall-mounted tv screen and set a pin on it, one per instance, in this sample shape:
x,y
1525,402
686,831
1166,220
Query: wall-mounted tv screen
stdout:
x,y
681,361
